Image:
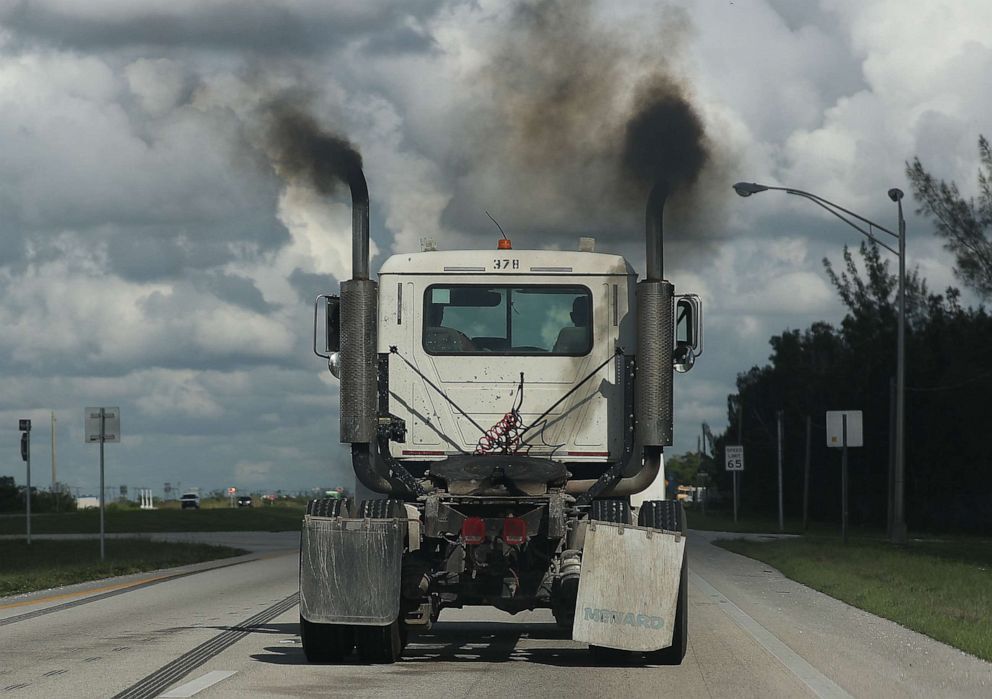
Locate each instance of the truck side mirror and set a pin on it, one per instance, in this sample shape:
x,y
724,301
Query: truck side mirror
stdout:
x,y
332,331
688,332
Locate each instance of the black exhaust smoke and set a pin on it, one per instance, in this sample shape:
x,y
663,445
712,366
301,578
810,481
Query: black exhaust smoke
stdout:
x,y
592,117
304,152
665,149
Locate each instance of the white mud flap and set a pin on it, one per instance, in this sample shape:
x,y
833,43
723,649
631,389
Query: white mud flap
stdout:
x,y
350,570
629,587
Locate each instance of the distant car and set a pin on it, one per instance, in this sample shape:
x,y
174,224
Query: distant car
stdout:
x,y
190,501
244,501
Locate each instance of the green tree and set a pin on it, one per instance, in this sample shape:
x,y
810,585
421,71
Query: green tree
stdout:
x,y
949,351
683,468
964,224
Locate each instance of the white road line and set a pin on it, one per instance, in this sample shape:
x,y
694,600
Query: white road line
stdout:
x,y
820,684
198,685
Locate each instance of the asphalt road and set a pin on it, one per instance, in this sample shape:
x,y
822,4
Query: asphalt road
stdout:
x,y
229,629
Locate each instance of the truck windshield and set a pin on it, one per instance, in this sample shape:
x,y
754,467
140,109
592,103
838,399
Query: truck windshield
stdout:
x,y
508,320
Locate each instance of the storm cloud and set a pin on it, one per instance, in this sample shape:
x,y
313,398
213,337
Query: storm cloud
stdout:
x,y
159,250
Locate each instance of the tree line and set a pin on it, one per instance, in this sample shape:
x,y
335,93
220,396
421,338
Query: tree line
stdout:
x,y
948,467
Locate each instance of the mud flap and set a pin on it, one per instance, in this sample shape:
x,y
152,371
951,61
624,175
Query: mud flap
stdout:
x,y
628,588
350,570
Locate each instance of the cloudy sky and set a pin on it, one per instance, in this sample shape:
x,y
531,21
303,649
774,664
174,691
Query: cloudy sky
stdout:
x,y
152,256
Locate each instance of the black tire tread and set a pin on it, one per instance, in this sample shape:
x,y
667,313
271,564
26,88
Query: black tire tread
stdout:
x,y
662,514
670,516
610,510
326,643
386,508
327,507
379,644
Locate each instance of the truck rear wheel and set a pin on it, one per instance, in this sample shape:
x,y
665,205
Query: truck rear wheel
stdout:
x,y
381,644
325,643
669,515
327,507
610,510
615,510
387,508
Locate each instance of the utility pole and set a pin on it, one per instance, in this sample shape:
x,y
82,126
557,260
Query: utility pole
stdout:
x,y
55,480
809,428
843,482
781,507
25,427
740,441
890,512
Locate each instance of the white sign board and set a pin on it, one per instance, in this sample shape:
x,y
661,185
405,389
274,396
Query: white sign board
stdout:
x,y
733,458
835,428
111,424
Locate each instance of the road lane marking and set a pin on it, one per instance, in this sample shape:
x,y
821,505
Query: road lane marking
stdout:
x,y
111,591
71,595
819,684
198,685
172,672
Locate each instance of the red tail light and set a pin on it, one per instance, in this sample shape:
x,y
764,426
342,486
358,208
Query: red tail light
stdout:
x,y
474,530
514,530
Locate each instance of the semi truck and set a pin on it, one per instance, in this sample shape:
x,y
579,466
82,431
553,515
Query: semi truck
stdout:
x,y
507,409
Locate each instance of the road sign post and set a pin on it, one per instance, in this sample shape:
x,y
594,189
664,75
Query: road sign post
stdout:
x,y
781,500
25,427
102,425
733,460
844,430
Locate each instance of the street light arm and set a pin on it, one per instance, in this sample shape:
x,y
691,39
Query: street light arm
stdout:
x,y
826,205
832,208
831,205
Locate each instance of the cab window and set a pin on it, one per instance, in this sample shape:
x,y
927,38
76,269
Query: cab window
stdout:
x,y
507,320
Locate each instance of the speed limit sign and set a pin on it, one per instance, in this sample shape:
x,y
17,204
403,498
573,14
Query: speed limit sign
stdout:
x,y
733,458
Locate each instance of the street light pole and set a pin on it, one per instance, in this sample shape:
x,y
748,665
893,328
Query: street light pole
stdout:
x,y
746,189
898,498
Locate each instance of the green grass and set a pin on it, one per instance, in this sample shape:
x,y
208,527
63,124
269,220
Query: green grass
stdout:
x,y
723,521
941,587
47,564
273,519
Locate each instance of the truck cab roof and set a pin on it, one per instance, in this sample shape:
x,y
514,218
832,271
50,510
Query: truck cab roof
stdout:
x,y
527,262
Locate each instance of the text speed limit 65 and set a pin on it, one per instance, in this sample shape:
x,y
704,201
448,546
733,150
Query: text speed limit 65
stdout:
x,y
733,458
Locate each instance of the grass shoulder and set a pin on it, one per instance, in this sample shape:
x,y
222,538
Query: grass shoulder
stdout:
x,y
128,521
941,587
46,564
723,521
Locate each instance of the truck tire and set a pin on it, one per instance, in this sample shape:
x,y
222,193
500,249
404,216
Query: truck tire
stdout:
x,y
389,508
327,507
662,514
379,644
564,618
669,515
326,643
610,510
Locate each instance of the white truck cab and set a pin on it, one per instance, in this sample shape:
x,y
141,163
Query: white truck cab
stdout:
x,y
504,405
503,329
